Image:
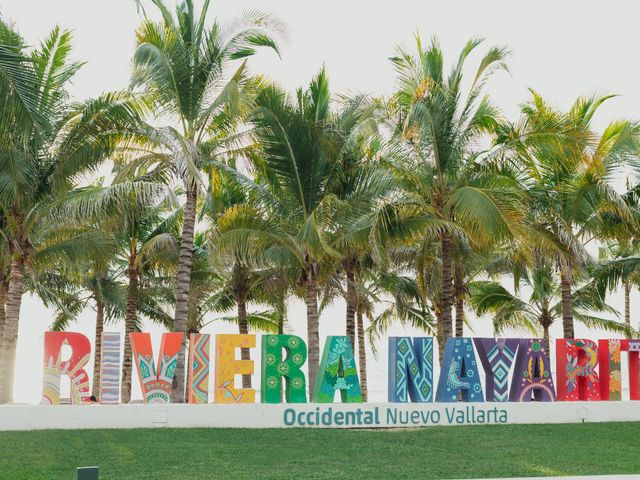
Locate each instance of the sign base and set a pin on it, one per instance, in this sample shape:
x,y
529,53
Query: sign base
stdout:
x,y
311,415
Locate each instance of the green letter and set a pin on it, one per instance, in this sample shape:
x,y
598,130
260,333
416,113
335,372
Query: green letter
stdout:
x,y
337,372
274,367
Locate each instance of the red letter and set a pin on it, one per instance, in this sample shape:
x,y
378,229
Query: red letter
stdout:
x,y
576,362
54,367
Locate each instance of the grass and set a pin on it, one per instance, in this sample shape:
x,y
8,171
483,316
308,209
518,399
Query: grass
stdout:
x,y
437,452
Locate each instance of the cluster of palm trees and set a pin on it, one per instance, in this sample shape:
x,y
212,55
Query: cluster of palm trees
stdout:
x,y
229,195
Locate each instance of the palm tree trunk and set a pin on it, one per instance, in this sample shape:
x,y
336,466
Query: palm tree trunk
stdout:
x,y
10,337
447,288
97,354
129,327
627,304
459,294
243,327
313,335
351,303
545,336
362,356
567,302
3,301
183,285
438,315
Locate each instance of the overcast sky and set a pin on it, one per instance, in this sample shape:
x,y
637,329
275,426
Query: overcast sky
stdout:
x,y
561,49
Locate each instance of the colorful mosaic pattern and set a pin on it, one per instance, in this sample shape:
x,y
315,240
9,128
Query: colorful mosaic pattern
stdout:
x,y
337,372
459,375
227,367
199,368
497,358
275,368
532,378
54,367
410,369
110,369
610,369
156,386
576,362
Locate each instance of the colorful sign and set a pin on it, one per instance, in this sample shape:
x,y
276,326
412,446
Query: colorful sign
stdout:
x,y
514,370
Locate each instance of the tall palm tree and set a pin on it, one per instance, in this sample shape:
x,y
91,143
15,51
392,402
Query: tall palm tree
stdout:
x,y
605,271
448,192
148,240
544,305
181,64
618,254
567,168
296,170
46,142
242,274
359,185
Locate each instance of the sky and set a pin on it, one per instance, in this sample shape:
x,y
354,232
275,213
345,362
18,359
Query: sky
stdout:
x,y
560,49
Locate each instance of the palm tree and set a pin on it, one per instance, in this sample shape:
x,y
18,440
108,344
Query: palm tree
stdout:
x,y
297,170
182,64
148,244
605,271
46,142
448,193
241,273
618,254
544,305
359,184
566,169
136,208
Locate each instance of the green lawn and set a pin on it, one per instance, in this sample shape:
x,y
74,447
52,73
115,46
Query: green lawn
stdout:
x,y
438,452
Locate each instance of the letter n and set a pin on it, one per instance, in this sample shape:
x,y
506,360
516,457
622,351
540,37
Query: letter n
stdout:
x,y
410,369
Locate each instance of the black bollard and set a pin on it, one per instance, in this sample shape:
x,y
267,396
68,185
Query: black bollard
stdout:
x,y
87,473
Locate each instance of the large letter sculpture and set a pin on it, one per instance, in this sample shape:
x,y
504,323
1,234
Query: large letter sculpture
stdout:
x,y
410,369
227,367
634,369
274,368
110,369
156,387
576,362
459,374
611,372
532,378
54,367
337,372
497,357
199,368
